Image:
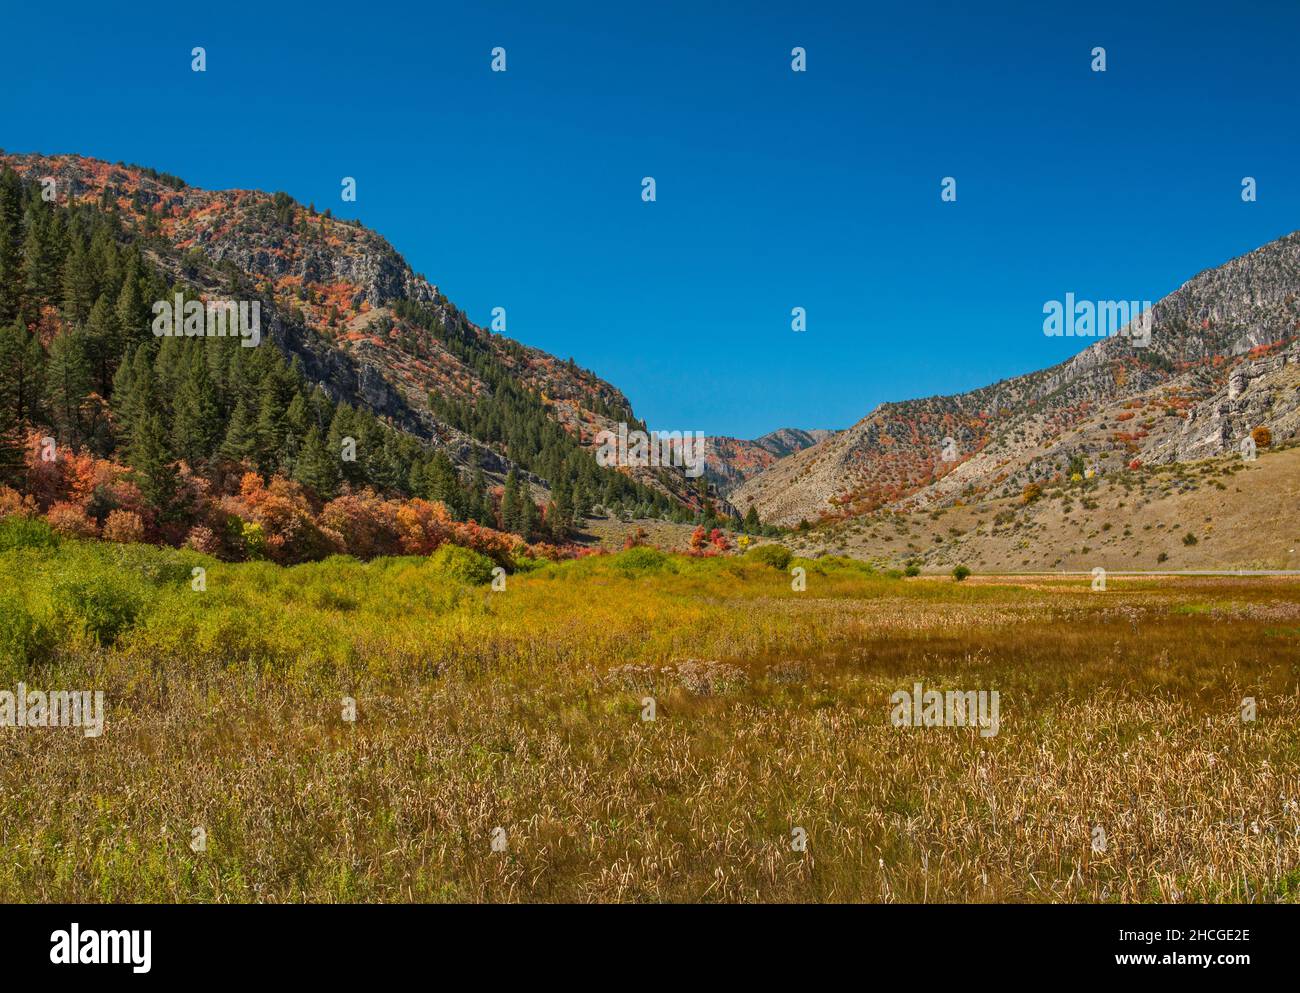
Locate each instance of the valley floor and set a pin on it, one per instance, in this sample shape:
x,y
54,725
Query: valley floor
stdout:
x,y
500,749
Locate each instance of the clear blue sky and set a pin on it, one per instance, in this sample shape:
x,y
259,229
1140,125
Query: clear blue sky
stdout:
x,y
775,189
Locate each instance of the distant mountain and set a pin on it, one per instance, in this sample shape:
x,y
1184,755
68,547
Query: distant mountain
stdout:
x,y
731,461
1222,359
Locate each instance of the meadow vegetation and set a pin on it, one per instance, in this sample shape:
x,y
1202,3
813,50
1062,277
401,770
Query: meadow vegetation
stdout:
x,y
522,709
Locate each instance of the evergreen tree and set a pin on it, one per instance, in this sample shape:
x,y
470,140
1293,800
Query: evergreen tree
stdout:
x,y
316,468
442,483
752,524
103,345
22,375
241,436
344,425
133,317
196,419
78,284
67,384
560,518
529,518
152,468
134,395
11,268
274,453
42,258
480,500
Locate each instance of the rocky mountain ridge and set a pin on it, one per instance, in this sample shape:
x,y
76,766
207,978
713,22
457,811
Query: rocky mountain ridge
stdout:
x,y
1221,361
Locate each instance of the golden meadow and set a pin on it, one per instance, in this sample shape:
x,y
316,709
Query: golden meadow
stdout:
x,y
523,709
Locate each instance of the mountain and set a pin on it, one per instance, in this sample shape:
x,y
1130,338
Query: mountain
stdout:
x,y
731,461
1221,360
354,326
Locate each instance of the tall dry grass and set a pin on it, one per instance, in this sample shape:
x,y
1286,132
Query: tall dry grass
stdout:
x,y
522,710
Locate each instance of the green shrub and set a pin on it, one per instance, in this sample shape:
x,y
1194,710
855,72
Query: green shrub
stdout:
x,y
26,532
463,564
104,604
777,556
25,639
960,573
254,539
641,559
912,570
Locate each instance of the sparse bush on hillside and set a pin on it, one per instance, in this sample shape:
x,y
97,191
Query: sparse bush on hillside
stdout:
x,y
1262,436
777,556
641,559
960,572
461,563
1030,493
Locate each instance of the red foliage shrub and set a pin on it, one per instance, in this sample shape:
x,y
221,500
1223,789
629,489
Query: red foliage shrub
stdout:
x,y
13,503
699,540
422,526
284,515
71,521
366,524
124,526
203,539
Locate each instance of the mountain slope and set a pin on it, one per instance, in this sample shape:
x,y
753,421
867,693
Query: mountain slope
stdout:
x,y
1221,360
731,461
364,328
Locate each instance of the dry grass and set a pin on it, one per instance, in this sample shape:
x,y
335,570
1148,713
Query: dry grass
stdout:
x,y
523,710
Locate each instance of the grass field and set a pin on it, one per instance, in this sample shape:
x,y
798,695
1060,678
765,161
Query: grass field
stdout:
x,y
523,709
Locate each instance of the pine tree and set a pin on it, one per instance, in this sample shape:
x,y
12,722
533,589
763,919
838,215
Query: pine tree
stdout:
x,y
480,500
316,468
510,505
103,344
562,507
132,314
296,426
529,519
344,425
196,419
42,258
752,524
241,436
152,467
11,269
22,375
134,394
67,384
442,483
79,291
274,453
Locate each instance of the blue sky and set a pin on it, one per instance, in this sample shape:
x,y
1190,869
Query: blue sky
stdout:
x,y
775,189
